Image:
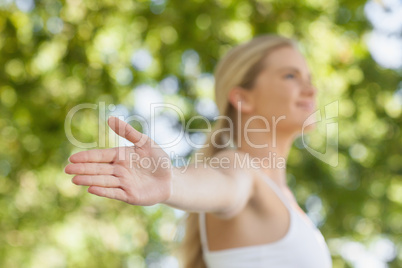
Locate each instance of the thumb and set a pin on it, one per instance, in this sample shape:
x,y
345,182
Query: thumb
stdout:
x,y
126,131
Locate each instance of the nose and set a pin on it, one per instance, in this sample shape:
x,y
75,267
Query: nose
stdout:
x,y
309,89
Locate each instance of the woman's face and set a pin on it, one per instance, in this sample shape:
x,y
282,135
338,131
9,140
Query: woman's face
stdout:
x,y
283,91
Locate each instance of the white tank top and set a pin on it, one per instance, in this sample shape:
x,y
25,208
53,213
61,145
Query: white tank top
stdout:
x,y
303,246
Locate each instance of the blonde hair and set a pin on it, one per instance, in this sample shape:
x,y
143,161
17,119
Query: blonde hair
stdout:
x,y
239,67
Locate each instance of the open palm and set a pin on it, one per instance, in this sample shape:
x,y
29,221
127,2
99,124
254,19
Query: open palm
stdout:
x,y
138,175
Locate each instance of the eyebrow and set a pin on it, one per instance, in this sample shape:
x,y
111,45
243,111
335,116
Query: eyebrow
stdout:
x,y
296,70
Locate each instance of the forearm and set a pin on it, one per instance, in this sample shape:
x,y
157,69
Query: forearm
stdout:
x,y
201,188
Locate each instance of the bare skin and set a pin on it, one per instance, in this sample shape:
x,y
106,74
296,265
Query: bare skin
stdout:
x,y
277,92
237,201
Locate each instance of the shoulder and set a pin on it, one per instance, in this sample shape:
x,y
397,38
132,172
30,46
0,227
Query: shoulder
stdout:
x,y
234,155
233,163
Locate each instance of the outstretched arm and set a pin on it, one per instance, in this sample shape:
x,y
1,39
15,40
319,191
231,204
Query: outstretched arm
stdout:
x,y
222,191
123,174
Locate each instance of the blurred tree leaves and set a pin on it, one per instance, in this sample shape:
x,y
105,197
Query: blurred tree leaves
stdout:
x,y
56,55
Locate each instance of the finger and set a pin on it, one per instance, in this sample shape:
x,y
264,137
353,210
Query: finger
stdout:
x,y
94,156
99,180
126,131
113,193
90,169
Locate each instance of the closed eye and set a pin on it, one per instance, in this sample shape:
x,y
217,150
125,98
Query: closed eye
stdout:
x,y
289,75
293,76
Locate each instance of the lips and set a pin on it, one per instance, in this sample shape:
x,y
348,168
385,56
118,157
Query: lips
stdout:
x,y
307,105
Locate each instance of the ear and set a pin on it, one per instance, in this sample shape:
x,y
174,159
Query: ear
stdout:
x,y
241,99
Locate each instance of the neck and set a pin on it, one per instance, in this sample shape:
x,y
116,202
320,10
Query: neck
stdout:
x,y
267,151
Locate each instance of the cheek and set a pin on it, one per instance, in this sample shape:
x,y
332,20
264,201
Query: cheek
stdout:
x,y
278,102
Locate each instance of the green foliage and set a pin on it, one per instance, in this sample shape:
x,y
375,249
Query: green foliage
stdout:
x,y
61,54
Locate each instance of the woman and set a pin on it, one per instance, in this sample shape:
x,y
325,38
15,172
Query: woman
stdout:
x,y
241,210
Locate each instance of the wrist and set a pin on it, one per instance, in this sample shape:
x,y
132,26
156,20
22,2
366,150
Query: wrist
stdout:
x,y
173,177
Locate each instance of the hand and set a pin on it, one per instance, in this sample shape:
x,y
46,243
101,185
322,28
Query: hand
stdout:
x,y
138,175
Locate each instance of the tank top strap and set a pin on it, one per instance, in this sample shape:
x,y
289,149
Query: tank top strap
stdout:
x,y
203,233
276,189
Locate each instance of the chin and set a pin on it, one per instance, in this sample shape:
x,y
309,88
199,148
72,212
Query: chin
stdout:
x,y
304,129
309,127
